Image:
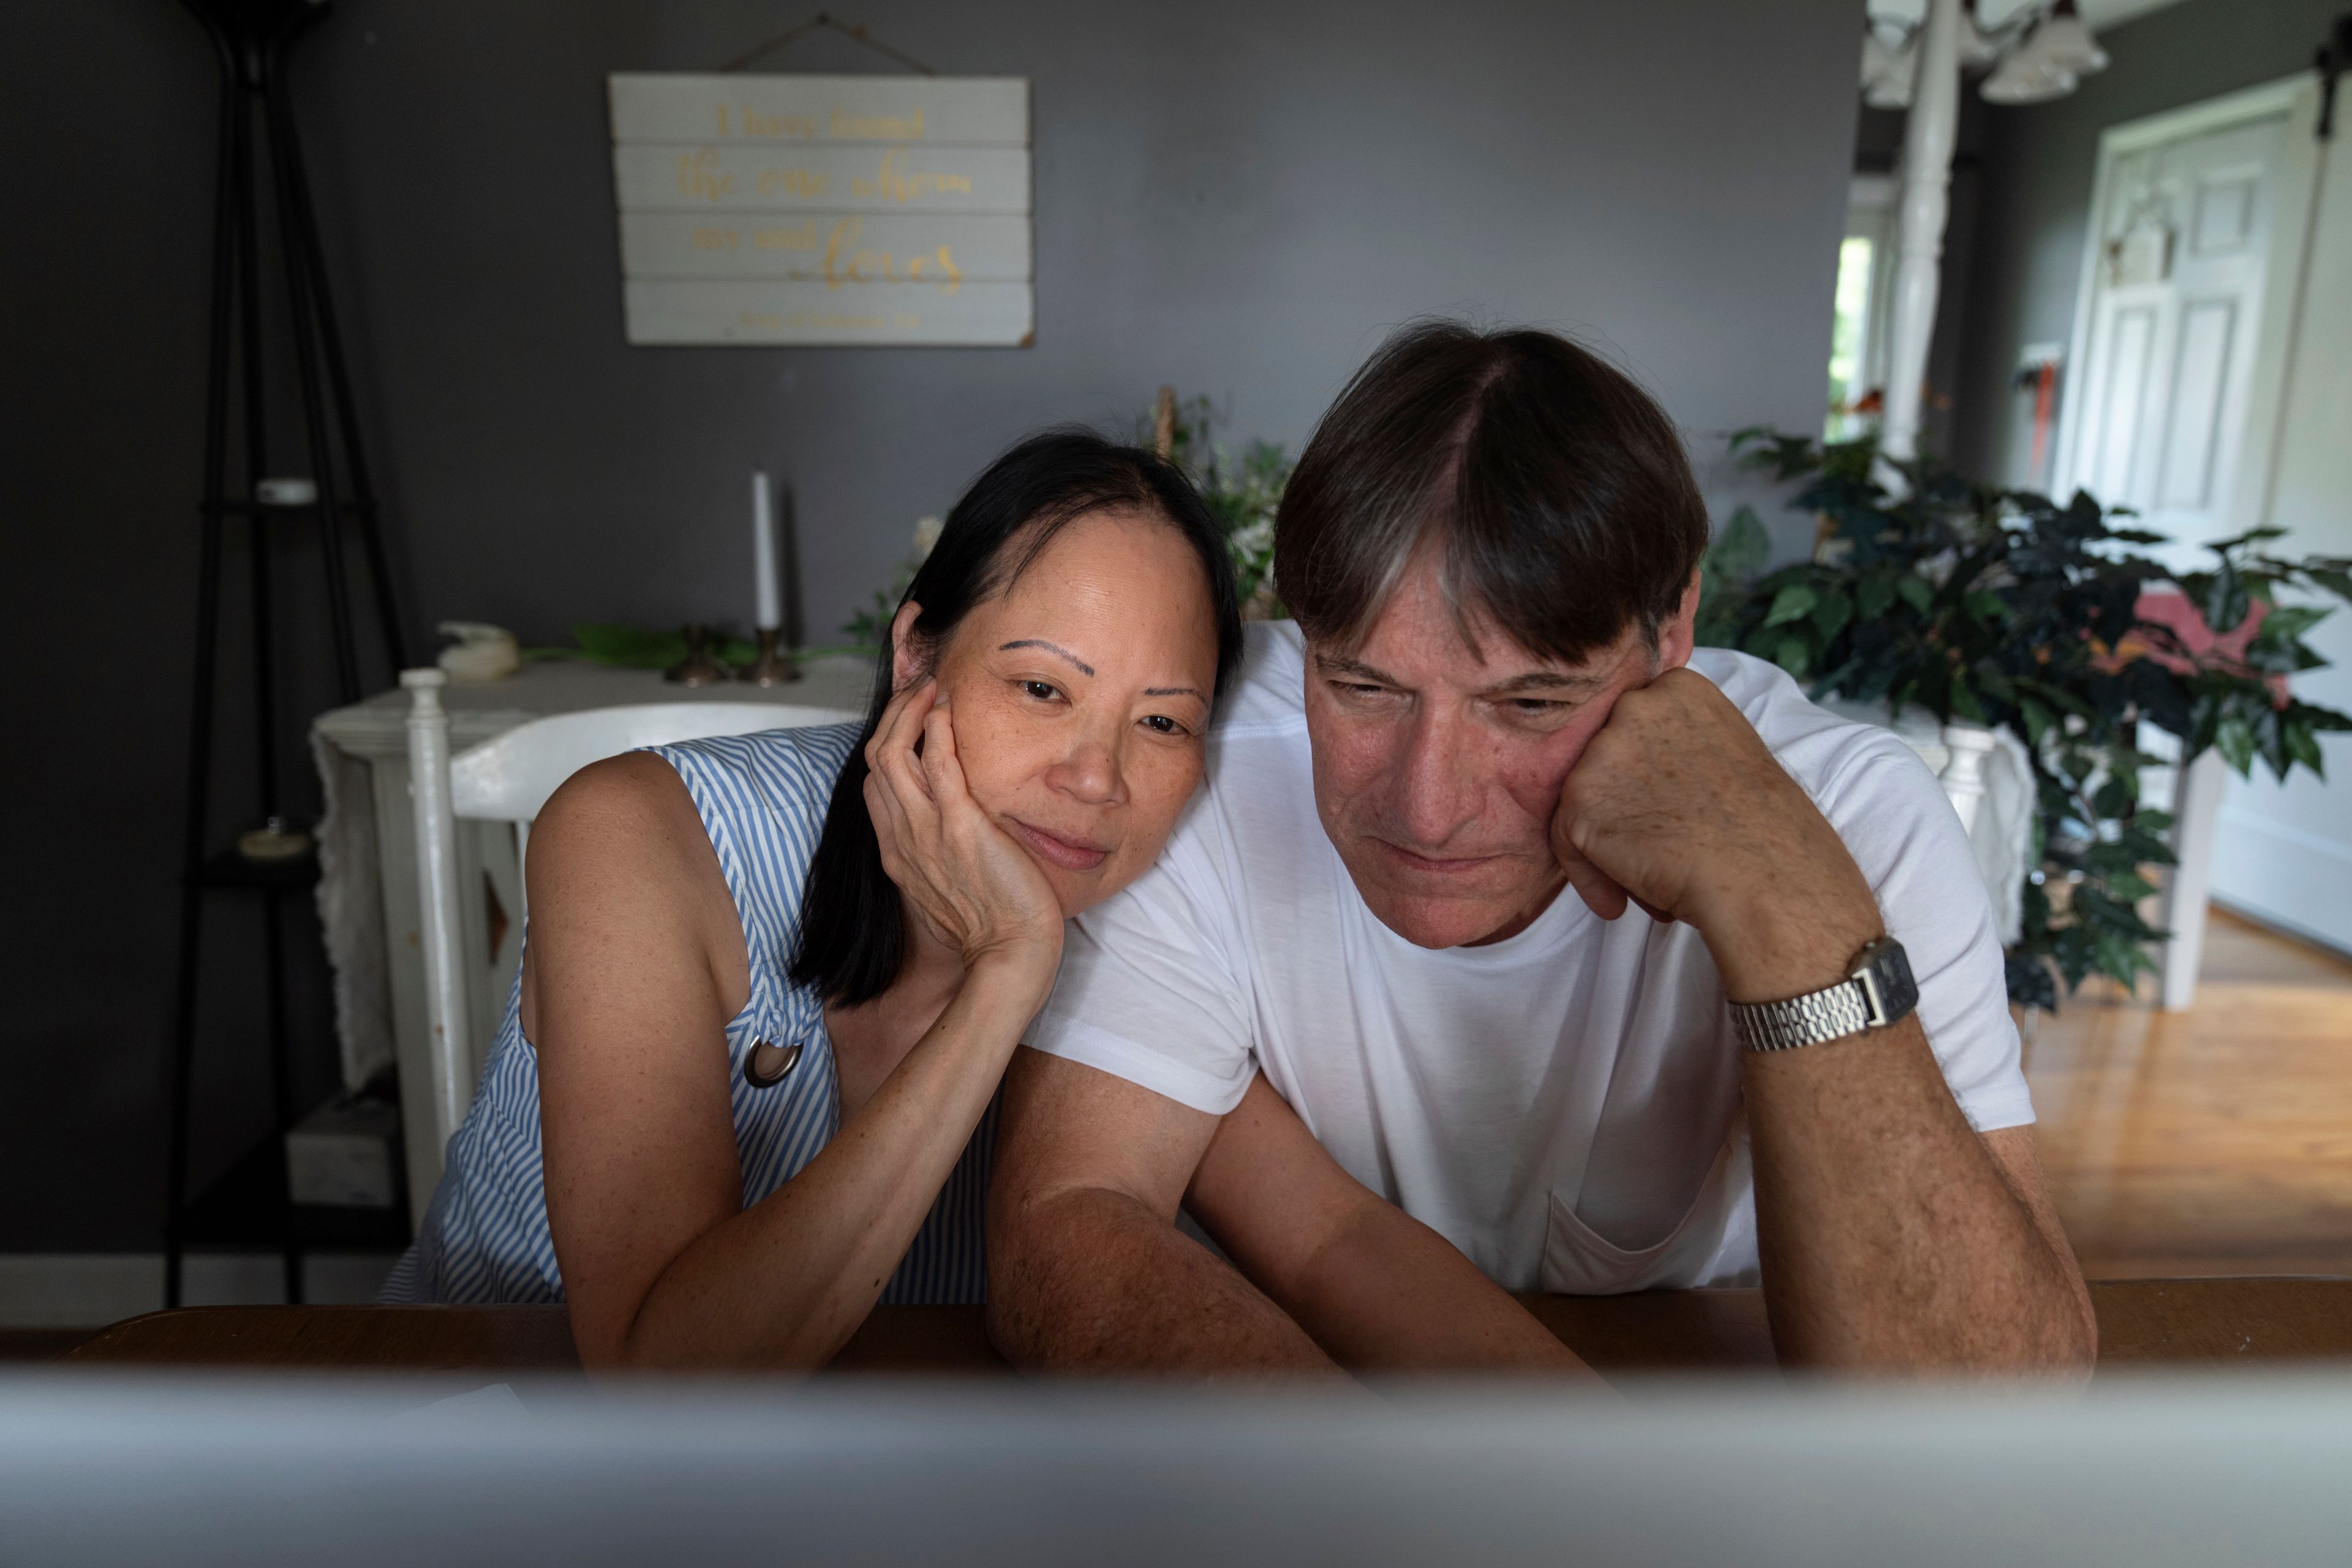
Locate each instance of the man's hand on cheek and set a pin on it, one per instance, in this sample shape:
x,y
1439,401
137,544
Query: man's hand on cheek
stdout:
x,y
1677,805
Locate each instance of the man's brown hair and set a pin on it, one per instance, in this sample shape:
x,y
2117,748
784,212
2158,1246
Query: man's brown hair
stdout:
x,y
1556,490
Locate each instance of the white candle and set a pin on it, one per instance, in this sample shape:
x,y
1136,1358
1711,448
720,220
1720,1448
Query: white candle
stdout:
x,y
763,554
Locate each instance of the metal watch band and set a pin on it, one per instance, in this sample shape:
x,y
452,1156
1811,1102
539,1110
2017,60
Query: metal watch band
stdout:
x,y
1878,992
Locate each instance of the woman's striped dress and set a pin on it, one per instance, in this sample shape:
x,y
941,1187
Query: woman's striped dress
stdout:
x,y
762,799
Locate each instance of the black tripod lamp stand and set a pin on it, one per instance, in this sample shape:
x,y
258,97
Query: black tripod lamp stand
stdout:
x,y
314,488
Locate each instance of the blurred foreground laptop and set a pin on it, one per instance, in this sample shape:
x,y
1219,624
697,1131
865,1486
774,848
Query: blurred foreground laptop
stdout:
x,y
105,1468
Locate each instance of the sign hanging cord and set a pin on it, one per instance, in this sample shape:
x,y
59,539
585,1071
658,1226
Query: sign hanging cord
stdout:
x,y
847,29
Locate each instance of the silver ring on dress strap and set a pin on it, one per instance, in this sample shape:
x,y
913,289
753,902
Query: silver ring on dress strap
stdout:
x,y
765,1065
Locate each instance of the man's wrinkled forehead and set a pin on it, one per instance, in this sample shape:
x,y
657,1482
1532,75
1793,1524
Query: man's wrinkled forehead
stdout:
x,y
1424,623
1508,671
1428,601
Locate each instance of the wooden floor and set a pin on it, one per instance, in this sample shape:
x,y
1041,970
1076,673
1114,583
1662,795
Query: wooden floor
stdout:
x,y
2216,1141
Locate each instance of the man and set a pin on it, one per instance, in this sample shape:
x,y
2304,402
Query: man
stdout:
x,y
1490,697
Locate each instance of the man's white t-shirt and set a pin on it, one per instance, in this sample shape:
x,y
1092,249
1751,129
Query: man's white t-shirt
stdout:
x,y
1563,1106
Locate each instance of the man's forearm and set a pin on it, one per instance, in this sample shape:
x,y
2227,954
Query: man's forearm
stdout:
x,y
1891,1239
1893,1236
1092,1282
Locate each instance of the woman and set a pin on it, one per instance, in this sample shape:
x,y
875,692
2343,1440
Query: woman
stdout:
x,y
743,1089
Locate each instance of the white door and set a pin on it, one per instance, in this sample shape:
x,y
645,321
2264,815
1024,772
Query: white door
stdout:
x,y
2283,853
2208,392
2182,247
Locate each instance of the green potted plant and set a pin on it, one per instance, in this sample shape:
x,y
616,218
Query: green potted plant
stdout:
x,y
1242,494
2008,609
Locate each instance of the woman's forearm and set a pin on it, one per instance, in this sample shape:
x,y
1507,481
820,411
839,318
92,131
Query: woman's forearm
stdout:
x,y
1388,1294
784,1283
1098,1285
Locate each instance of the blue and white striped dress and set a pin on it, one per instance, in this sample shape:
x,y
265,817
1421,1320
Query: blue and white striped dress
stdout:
x,y
762,799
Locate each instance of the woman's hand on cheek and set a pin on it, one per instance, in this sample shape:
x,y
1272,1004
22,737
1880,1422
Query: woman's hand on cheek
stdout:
x,y
974,889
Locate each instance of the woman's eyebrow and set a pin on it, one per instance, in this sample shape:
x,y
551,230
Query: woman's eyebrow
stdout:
x,y
1173,692
1084,667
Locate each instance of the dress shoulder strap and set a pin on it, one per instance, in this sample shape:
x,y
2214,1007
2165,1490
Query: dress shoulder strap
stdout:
x,y
762,800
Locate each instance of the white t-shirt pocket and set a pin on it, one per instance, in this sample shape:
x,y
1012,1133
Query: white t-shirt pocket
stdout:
x,y
1713,1244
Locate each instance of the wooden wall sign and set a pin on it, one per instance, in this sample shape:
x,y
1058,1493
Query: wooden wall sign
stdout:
x,y
823,209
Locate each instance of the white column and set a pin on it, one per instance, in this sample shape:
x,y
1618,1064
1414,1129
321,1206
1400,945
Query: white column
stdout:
x,y
1928,140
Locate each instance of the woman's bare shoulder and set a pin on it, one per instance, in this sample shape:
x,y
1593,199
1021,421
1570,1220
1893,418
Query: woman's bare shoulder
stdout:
x,y
625,823
621,877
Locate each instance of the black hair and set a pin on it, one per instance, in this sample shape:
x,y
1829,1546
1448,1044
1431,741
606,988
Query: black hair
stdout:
x,y
1559,490
853,936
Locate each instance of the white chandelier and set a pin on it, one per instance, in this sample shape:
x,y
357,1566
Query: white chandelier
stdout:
x,y
2038,53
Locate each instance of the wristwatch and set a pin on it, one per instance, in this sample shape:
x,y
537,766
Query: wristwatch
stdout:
x,y
1878,991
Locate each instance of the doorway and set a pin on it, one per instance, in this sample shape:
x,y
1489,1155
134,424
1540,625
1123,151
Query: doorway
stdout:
x,y
2184,226
2212,331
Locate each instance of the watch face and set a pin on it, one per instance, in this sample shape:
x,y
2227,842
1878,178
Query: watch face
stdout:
x,y
1887,977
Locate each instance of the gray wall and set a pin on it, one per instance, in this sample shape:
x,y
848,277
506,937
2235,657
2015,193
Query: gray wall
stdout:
x,y
1238,199
2039,163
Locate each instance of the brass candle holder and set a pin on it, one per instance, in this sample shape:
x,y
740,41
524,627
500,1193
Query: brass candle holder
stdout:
x,y
698,668
770,667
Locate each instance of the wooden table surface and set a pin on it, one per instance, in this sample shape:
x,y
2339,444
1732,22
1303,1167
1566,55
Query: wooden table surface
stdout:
x,y
2178,1321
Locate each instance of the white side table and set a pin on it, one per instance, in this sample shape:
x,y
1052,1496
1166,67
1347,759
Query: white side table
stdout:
x,y
2182,902
368,898
1987,780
